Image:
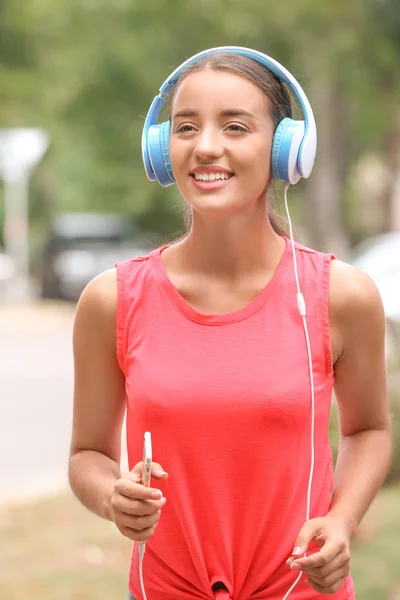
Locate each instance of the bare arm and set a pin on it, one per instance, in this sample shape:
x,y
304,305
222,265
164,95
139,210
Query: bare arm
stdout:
x,y
99,397
358,322
357,325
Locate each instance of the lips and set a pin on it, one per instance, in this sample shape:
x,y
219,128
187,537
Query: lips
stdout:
x,y
208,170
210,185
215,177
210,177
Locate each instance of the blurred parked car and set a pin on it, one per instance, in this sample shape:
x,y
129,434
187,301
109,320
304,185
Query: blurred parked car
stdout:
x,y
82,245
379,257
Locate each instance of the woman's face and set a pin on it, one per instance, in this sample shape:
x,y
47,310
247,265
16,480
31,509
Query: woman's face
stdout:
x,y
221,137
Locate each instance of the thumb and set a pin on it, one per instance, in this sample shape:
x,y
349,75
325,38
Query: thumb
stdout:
x,y
308,532
157,471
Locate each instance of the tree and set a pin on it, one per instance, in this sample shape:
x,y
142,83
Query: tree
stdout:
x,y
87,72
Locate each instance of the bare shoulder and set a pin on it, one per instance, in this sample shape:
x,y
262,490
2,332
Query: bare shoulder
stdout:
x,y
97,305
355,303
352,290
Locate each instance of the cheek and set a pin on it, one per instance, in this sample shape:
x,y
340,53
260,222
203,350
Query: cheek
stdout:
x,y
179,155
177,158
256,153
258,167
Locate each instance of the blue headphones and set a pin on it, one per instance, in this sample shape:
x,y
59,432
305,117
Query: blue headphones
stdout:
x,y
293,147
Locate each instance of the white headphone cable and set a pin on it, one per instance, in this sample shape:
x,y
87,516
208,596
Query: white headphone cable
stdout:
x,y
302,310
142,549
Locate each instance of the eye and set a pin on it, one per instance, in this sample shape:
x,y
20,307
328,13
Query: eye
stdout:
x,y
184,128
237,128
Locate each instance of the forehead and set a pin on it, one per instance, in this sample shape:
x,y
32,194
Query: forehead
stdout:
x,y
217,89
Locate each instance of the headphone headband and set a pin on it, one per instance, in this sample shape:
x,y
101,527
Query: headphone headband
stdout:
x,y
308,143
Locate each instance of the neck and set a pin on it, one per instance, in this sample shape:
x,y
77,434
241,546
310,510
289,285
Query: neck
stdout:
x,y
229,247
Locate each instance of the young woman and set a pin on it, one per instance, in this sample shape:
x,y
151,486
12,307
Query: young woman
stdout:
x,y
203,344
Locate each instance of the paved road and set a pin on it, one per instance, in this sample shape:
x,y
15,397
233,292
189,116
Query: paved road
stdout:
x,y
36,383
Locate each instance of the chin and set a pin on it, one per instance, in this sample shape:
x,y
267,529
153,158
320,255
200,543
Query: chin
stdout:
x,y
214,206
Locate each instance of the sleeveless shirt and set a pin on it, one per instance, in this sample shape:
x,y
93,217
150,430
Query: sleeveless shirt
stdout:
x,y
227,400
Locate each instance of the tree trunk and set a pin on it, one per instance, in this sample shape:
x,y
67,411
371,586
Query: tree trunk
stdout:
x,y
324,191
390,200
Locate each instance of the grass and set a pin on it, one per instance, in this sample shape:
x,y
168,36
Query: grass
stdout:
x,y
54,549
376,560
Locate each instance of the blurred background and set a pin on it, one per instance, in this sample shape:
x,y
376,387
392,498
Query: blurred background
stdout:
x,y
76,81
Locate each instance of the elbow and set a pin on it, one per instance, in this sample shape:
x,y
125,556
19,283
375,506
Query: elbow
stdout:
x,y
72,467
77,463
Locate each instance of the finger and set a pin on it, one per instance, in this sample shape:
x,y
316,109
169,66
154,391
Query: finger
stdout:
x,y
310,530
138,523
138,536
326,590
130,489
137,507
341,561
321,558
331,579
157,471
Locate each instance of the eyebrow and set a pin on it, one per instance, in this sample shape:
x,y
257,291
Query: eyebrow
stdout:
x,y
227,112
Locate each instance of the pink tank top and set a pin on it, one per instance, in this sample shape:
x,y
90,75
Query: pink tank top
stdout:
x,y
227,401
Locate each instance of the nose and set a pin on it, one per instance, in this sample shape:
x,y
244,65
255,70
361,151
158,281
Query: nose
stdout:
x,y
209,144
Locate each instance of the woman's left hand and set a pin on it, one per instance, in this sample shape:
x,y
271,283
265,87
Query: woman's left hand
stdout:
x,y
327,568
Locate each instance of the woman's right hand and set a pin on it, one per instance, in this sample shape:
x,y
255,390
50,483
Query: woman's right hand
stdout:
x,y
135,508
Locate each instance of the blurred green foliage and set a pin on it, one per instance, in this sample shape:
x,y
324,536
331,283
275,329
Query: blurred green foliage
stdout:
x,y
87,72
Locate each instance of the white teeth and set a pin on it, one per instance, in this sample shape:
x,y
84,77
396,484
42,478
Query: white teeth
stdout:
x,y
210,176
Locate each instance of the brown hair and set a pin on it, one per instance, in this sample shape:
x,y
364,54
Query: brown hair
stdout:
x,y
273,88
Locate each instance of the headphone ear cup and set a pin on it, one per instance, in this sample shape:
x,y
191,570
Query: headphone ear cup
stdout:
x,y
285,150
165,139
158,151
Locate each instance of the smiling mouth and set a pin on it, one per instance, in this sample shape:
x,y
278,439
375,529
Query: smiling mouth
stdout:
x,y
209,185
211,177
